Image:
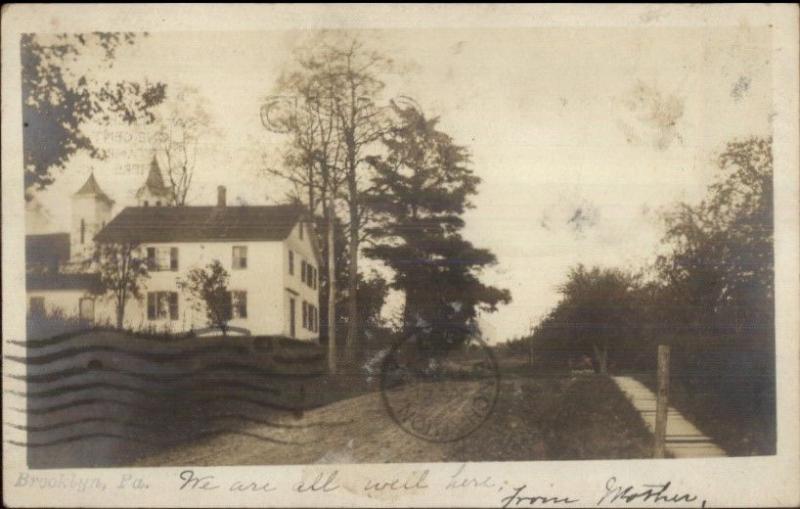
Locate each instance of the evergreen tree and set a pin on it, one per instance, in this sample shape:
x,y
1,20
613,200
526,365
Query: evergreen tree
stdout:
x,y
422,187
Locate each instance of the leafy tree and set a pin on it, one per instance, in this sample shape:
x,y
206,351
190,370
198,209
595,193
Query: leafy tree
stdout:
x,y
59,98
721,264
598,311
719,280
209,288
422,188
122,269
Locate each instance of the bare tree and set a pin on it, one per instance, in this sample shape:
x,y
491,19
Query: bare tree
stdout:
x,y
122,269
183,124
347,75
312,162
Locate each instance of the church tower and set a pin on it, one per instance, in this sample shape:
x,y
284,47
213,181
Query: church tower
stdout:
x,y
154,193
91,210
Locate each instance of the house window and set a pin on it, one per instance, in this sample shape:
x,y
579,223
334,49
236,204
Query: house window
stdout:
x,y
37,306
291,262
239,257
83,230
162,305
162,258
173,258
86,309
308,274
239,304
310,317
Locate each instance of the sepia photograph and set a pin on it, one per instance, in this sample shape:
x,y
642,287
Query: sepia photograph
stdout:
x,y
339,243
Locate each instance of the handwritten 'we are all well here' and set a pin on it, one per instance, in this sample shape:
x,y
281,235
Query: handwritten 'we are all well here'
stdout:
x,y
613,493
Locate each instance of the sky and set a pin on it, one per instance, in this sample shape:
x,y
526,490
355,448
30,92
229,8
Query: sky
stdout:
x,y
581,136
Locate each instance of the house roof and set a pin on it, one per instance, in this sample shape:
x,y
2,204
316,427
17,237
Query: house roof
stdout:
x,y
62,281
195,224
46,249
92,188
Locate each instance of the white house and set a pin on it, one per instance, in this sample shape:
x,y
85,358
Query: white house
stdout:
x,y
270,253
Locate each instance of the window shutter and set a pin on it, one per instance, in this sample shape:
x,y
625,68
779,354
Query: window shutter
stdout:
x,y
173,305
151,258
173,258
291,262
303,271
151,305
305,315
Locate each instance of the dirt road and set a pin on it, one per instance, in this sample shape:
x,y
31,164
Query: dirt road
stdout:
x,y
526,424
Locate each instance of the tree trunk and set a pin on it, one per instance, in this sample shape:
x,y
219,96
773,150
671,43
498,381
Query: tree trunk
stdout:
x,y
120,313
331,240
352,287
602,358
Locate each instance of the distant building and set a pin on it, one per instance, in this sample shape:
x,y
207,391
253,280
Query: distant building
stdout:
x,y
47,253
91,211
270,253
154,192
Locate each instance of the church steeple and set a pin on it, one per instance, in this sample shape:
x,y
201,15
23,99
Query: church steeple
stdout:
x,y
91,210
154,191
92,188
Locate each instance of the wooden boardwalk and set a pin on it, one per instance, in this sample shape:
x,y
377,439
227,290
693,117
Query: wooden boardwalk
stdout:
x,y
684,440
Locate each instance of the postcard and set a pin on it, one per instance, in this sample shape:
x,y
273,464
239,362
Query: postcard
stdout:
x,y
400,255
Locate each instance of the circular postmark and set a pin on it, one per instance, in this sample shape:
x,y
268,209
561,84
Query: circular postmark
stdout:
x,y
439,395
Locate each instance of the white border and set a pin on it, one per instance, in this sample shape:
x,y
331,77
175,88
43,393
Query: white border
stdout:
x,y
760,481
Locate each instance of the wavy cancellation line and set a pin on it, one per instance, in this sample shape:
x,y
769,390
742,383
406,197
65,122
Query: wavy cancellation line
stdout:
x,y
159,442
151,393
225,367
157,429
159,357
154,408
266,342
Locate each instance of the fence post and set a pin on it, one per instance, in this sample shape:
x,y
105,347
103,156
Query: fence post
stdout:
x,y
662,402
530,351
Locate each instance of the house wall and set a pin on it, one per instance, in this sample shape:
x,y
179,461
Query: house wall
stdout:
x,y
293,284
63,301
266,280
261,280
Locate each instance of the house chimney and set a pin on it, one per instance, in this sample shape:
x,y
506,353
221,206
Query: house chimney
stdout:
x,y
220,196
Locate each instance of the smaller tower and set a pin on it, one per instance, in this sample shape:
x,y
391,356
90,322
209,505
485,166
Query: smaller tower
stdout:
x,y
154,193
91,210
